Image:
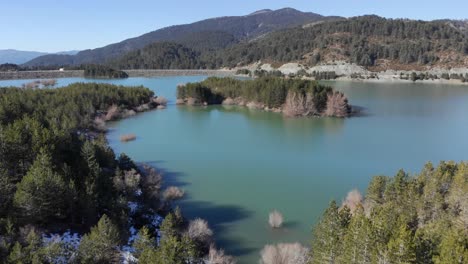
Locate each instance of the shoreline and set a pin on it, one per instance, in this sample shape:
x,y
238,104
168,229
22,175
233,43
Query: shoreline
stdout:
x,y
56,74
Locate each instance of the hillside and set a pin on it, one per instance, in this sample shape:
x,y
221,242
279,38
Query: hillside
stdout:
x,y
240,27
370,41
18,56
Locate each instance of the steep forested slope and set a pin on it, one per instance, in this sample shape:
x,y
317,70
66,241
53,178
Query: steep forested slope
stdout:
x,y
240,27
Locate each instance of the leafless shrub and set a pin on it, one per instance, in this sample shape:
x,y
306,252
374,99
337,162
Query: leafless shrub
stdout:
x,y
337,105
143,108
198,230
293,253
49,83
151,182
254,105
128,181
218,257
127,138
193,101
173,193
353,200
275,219
128,113
113,113
160,100
31,85
100,123
298,104
228,101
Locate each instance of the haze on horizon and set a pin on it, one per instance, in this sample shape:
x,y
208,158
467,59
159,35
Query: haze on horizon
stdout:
x,y
53,26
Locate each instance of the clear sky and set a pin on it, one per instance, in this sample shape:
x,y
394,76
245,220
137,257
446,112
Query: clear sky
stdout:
x,y
58,25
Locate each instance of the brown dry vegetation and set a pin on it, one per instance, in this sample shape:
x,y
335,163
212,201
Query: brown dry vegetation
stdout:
x,y
218,257
299,105
353,200
128,137
173,193
199,231
337,105
283,253
275,219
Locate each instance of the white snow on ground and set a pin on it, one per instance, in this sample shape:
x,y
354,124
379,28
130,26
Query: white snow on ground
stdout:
x,y
133,206
138,192
69,243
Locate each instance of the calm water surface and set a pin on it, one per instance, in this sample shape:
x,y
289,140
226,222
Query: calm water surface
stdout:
x,y
236,165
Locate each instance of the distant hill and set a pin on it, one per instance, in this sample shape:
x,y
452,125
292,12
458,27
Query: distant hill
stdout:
x,y
20,57
237,28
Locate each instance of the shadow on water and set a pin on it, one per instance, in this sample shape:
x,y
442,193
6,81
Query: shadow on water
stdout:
x,y
290,224
170,178
360,111
220,218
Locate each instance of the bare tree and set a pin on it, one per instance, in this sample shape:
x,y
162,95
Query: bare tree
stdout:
x,y
284,253
218,257
160,100
112,113
298,104
173,193
199,231
337,105
353,200
275,219
127,137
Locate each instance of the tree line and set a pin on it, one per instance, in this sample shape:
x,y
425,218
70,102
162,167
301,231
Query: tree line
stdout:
x,y
402,219
295,97
58,175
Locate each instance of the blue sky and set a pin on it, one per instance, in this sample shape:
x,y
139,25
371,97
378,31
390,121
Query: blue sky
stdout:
x,y
57,25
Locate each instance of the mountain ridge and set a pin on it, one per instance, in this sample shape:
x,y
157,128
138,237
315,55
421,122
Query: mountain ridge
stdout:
x,y
22,56
241,27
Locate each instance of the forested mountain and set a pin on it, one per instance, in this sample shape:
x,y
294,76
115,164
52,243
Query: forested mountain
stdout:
x,y
367,41
164,55
240,27
370,41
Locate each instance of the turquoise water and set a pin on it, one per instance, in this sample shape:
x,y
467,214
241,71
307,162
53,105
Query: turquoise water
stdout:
x,y
236,165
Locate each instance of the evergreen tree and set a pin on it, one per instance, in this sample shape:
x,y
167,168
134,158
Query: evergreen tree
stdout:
x,y
327,236
358,244
43,194
453,248
401,246
101,245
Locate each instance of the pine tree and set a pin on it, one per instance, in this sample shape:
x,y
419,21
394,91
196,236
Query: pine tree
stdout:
x,y
42,194
7,190
453,248
144,244
401,246
101,244
357,244
327,235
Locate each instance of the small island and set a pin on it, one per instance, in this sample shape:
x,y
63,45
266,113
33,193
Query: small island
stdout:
x,y
101,71
292,97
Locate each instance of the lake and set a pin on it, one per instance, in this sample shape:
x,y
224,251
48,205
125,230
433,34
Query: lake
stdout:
x,y
236,165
